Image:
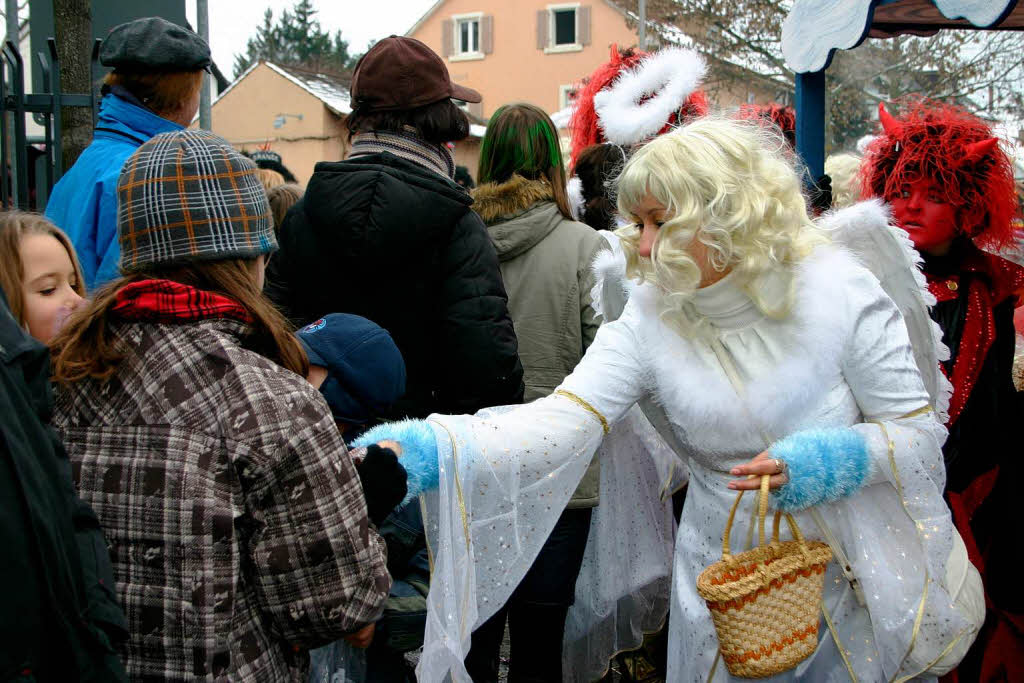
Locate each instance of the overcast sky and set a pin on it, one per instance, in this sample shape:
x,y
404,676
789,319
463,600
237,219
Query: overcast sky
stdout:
x,y
233,22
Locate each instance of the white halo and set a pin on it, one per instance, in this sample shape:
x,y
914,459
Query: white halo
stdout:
x,y
673,74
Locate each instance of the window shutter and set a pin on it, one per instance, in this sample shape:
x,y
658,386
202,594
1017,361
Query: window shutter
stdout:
x,y
447,37
542,29
487,34
583,25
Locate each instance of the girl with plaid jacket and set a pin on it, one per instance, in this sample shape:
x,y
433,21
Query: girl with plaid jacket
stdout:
x,y
237,524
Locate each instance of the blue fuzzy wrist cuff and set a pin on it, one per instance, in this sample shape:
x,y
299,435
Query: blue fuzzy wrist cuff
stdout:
x,y
824,465
419,453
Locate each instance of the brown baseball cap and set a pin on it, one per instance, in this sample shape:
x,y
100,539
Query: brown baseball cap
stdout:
x,y
402,73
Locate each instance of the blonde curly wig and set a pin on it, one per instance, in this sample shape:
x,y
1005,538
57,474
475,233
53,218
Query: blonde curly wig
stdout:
x,y
844,169
732,186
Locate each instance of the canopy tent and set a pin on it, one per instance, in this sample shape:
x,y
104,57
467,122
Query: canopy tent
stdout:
x,y
815,29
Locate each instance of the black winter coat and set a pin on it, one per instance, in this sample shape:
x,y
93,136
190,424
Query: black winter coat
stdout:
x,y
59,618
389,240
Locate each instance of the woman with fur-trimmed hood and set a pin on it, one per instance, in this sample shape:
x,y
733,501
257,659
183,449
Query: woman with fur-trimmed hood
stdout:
x,y
545,259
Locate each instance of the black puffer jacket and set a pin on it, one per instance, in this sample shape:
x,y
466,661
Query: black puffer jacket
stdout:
x,y
59,617
389,240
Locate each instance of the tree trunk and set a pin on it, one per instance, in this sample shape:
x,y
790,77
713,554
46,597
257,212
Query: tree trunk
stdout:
x,y
72,21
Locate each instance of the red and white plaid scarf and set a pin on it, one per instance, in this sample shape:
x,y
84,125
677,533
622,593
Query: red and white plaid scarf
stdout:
x,y
169,302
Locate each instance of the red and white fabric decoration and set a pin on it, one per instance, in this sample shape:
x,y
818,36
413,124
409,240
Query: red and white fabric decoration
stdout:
x,y
642,99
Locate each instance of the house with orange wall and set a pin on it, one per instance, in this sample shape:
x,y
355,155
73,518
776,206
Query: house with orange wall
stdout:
x,y
537,50
523,51
299,114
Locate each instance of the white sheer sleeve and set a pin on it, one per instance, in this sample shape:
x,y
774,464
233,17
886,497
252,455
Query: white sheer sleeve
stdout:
x,y
897,531
506,475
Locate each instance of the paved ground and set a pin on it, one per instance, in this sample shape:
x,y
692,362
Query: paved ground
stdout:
x,y
503,667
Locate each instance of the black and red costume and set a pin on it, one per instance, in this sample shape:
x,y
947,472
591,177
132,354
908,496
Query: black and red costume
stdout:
x,y
976,292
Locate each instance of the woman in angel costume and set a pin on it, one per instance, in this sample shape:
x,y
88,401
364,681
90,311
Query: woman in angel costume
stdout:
x,y
770,351
951,187
624,587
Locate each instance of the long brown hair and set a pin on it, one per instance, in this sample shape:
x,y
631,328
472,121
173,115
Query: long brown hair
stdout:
x,y
522,140
86,347
282,198
437,122
597,167
14,226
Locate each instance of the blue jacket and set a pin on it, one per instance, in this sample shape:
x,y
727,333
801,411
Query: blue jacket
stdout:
x,y
84,202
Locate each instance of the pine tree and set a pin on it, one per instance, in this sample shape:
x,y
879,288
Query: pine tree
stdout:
x,y
296,39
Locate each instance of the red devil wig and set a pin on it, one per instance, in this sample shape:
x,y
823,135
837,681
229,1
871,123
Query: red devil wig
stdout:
x,y
782,117
959,153
585,127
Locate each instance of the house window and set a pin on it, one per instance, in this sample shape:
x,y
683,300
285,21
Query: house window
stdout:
x,y
563,26
467,39
566,95
467,36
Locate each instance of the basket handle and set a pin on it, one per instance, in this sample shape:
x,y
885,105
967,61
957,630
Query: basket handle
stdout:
x,y
793,528
762,511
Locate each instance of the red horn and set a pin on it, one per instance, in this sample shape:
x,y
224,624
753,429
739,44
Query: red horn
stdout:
x,y
976,151
888,122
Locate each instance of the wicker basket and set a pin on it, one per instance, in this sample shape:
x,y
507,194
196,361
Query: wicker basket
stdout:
x,y
766,602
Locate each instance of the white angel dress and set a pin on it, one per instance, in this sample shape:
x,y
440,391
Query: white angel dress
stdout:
x,y
841,358
625,581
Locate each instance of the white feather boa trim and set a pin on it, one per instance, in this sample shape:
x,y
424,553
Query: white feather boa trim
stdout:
x,y
574,188
670,75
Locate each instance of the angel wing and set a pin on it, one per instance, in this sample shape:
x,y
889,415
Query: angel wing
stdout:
x,y
865,230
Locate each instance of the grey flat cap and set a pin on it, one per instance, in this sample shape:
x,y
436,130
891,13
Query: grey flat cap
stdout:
x,y
154,43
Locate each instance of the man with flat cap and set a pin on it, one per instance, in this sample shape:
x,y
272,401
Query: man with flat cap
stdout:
x,y
153,88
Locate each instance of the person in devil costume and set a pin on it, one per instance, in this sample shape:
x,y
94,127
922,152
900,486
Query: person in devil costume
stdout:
x,y
950,186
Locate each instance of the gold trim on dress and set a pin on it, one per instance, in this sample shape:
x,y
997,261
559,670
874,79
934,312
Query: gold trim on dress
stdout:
x,y
924,593
923,410
586,406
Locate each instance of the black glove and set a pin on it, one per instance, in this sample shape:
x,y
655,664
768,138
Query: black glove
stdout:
x,y
383,482
821,194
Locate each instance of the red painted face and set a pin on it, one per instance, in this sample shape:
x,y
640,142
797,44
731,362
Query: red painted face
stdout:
x,y
928,218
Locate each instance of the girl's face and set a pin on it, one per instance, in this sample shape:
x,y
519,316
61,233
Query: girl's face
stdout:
x,y
48,287
650,215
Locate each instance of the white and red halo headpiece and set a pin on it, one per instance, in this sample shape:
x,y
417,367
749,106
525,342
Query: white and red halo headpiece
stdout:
x,y
636,96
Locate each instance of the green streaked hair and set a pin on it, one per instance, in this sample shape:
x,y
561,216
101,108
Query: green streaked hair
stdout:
x,y
522,140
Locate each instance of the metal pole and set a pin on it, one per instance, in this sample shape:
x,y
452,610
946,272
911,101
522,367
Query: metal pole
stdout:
x,y
11,16
203,21
810,122
642,24
11,13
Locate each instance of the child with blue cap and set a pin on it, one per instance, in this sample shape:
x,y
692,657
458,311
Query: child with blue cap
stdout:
x,y
360,372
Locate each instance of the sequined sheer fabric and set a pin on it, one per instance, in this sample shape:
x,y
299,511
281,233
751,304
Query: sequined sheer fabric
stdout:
x,y
624,586
841,358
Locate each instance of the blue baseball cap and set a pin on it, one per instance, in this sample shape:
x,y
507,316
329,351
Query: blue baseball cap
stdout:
x,y
365,370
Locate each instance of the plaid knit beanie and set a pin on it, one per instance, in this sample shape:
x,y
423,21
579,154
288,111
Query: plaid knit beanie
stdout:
x,y
189,196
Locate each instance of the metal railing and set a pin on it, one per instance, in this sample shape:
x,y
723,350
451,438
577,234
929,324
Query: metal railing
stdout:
x,y
21,186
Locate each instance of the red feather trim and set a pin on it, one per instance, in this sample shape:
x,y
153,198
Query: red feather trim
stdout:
x,y
783,118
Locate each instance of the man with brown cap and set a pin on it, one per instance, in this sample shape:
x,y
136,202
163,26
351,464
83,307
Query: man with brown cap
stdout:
x,y
387,234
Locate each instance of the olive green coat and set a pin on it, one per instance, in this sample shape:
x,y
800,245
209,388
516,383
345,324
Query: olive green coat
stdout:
x,y
545,262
